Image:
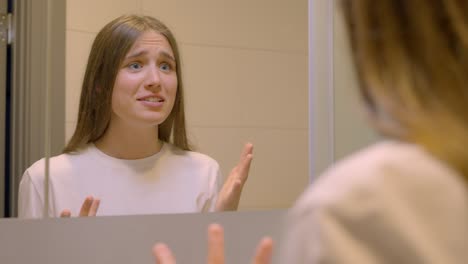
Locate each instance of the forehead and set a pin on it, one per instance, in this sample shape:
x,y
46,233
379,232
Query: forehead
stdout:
x,y
151,39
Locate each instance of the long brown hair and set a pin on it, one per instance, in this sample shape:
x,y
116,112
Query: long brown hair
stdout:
x,y
107,53
412,60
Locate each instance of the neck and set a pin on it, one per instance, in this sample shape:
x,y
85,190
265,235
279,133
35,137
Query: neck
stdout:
x,y
129,142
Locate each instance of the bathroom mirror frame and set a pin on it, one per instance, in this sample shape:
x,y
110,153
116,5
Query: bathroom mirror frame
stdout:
x,y
28,87
3,88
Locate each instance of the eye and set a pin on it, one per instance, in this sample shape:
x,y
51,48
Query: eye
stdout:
x,y
165,67
134,66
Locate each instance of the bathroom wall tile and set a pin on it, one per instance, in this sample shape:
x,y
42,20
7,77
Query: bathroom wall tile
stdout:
x,y
260,24
245,88
92,15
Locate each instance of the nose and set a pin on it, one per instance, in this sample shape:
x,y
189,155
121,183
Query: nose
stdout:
x,y
152,78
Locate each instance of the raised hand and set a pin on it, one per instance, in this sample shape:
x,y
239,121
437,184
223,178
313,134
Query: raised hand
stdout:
x,y
163,254
89,208
229,196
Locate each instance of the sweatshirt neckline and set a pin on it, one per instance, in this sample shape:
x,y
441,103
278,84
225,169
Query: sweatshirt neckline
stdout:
x,y
144,160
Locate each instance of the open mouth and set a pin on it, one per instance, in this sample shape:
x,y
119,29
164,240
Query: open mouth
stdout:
x,y
152,99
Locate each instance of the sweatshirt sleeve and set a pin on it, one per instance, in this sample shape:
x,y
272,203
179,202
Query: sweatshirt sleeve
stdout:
x,y
214,187
30,203
319,235
387,219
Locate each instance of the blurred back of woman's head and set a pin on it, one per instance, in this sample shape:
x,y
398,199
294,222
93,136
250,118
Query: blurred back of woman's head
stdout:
x,y
412,60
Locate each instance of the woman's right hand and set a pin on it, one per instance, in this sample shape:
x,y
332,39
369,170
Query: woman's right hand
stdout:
x,y
89,208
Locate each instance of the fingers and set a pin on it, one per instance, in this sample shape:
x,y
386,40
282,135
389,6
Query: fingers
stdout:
x,y
241,171
90,206
245,167
86,206
264,251
248,149
215,244
94,207
65,213
245,160
163,254
230,193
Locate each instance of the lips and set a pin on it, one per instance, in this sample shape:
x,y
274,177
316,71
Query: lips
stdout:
x,y
152,98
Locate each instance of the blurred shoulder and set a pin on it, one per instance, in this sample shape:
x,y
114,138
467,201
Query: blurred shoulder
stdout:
x,y
380,172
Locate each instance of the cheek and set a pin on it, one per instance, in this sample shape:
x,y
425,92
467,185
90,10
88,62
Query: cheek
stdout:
x,y
172,87
116,103
123,84
124,87
120,92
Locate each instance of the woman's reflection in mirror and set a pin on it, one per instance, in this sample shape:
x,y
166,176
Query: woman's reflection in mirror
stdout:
x,y
129,153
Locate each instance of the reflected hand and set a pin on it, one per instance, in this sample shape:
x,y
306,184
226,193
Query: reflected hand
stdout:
x,y
229,196
163,254
89,208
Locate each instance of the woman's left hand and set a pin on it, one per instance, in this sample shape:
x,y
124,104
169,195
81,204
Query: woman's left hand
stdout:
x,y
229,196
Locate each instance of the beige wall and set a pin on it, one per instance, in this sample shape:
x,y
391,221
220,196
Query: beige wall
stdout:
x,y
245,73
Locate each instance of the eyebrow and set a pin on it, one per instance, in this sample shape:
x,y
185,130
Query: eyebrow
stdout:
x,y
143,52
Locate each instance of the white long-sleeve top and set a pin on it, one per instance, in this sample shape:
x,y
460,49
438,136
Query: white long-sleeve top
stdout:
x,y
170,181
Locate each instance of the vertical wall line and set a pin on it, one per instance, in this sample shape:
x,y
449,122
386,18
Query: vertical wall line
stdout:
x,y
312,165
331,75
321,87
48,82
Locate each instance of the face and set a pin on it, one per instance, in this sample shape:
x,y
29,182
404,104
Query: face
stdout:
x,y
146,83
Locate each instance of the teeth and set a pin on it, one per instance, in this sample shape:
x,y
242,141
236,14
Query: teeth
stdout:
x,y
151,99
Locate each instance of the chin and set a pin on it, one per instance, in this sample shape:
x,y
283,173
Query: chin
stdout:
x,y
150,118
150,122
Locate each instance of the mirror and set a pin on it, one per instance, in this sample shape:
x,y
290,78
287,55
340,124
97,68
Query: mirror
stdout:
x,y
245,78
245,74
3,116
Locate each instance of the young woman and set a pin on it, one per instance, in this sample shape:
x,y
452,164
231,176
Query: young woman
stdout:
x,y
129,153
